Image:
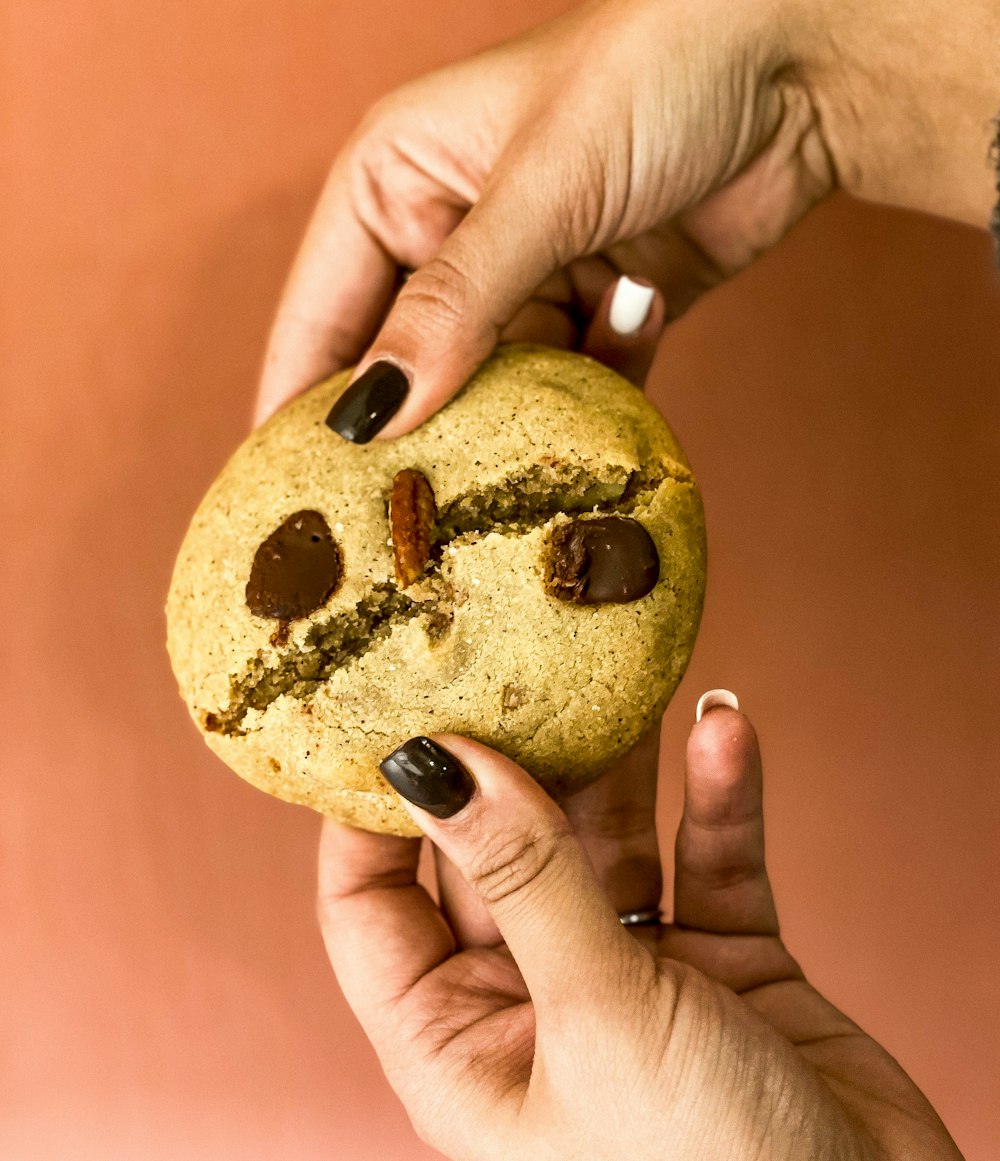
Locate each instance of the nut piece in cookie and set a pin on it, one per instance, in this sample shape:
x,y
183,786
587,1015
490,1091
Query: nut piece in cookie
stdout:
x,y
412,515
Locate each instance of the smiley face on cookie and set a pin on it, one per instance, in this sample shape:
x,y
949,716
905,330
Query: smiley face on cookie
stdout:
x,y
526,568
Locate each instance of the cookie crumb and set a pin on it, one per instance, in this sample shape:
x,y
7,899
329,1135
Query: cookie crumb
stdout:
x,y
514,696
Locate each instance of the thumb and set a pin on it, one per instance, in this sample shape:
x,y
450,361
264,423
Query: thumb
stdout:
x,y
448,315
518,852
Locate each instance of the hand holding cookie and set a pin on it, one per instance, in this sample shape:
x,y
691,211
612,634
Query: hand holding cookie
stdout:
x,y
671,141
541,1028
501,197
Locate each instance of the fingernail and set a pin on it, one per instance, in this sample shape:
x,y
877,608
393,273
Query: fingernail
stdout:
x,y
428,776
713,698
369,403
630,306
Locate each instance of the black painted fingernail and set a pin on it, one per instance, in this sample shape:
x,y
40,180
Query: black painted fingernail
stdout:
x,y
369,403
429,777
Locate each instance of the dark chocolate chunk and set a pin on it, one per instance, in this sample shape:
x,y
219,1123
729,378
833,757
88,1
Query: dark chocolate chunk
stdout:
x,y
611,559
295,570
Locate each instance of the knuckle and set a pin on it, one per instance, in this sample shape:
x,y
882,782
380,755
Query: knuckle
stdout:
x,y
585,226
512,863
730,876
725,872
440,295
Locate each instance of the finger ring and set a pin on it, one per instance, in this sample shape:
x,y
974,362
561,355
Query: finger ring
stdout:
x,y
650,917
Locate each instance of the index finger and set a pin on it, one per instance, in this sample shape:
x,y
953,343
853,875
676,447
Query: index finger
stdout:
x,y
382,930
336,294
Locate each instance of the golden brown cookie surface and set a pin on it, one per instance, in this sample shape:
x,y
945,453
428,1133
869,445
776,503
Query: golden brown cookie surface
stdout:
x,y
526,568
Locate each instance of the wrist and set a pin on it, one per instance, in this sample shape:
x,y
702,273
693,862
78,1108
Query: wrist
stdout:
x,y
907,93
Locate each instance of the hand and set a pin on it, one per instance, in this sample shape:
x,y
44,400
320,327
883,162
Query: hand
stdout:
x,y
523,1020
671,140
662,140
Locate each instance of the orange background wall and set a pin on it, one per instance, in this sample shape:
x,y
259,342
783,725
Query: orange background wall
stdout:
x,y
163,991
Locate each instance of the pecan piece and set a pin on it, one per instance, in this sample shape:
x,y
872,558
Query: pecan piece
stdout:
x,y
412,515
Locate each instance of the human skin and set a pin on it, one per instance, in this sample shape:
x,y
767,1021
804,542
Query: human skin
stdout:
x,y
671,139
673,142
518,1018
562,1034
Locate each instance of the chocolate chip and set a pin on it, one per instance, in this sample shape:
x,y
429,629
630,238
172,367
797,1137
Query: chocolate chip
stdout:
x,y
608,559
295,570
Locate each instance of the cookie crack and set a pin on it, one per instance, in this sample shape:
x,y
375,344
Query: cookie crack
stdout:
x,y
520,503
534,496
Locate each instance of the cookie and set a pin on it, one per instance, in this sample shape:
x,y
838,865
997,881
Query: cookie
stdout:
x,y
526,568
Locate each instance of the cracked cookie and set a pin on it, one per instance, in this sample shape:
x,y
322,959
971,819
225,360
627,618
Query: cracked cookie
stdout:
x,y
526,568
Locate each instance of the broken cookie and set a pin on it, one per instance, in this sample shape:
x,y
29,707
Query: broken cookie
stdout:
x,y
527,567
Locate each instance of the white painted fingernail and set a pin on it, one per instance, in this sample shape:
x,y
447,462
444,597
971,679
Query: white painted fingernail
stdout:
x,y
713,698
630,305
